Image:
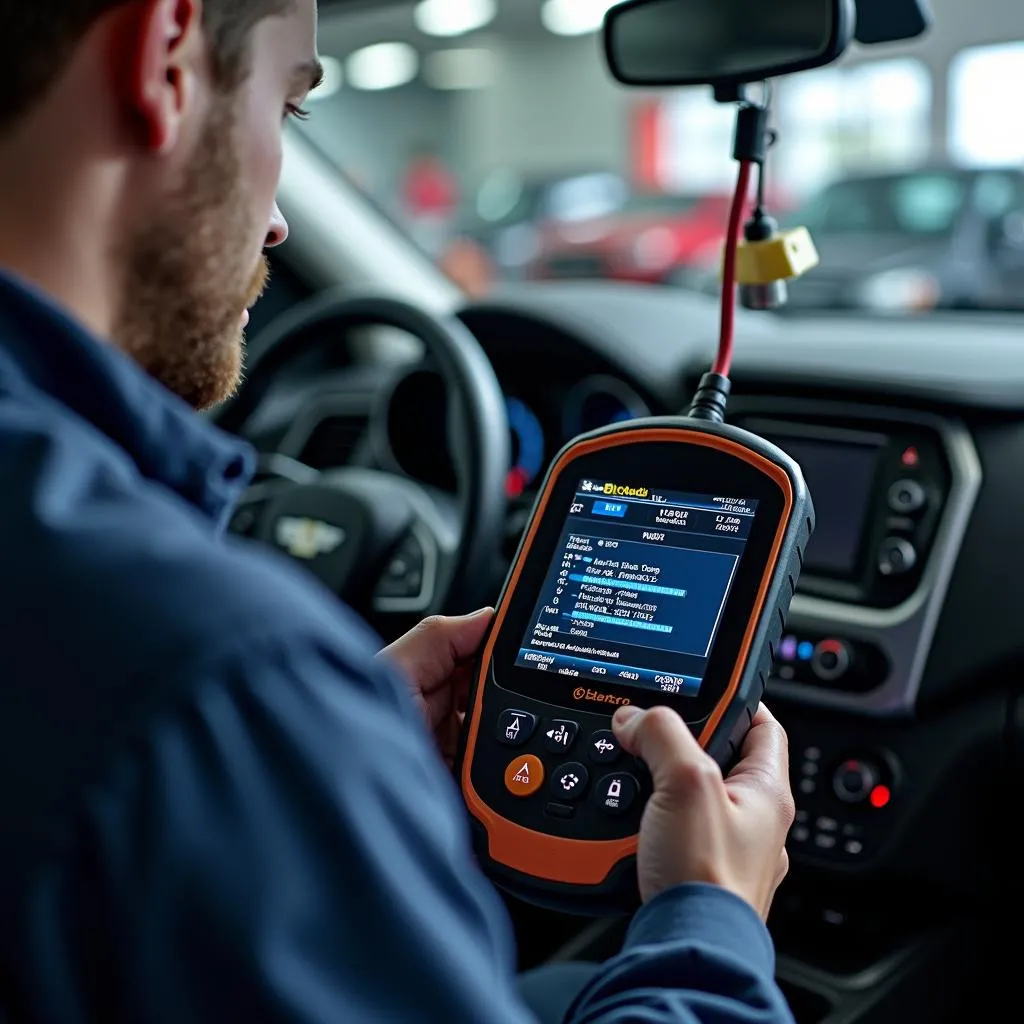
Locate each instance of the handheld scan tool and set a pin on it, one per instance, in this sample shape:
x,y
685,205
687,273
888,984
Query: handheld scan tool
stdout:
x,y
657,568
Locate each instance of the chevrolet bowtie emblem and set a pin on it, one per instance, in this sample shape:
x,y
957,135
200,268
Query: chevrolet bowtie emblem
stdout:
x,y
307,538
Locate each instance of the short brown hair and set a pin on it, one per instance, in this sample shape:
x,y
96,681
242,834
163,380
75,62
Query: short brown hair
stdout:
x,y
38,38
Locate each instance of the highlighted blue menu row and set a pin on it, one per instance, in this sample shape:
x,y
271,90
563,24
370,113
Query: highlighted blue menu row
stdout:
x,y
612,620
645,588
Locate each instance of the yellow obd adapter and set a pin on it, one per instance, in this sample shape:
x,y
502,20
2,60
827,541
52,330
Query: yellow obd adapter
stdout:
x,y
766,258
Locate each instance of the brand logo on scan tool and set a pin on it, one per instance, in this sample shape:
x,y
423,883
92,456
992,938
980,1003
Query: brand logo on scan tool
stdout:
x,y
584,693
307,538
622,491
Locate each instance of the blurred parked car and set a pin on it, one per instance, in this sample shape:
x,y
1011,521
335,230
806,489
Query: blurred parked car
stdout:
x,y
654,238
503,223
936,238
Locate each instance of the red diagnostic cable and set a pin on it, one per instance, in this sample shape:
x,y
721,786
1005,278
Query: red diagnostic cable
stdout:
x,y
723,362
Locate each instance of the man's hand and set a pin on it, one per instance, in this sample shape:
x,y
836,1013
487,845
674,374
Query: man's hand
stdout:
x,y
699,827
436,657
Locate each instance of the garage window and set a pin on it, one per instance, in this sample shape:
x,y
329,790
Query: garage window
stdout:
x,y
986,127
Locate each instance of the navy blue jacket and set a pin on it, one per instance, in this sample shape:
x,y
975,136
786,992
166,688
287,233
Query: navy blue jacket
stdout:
x,y
215,805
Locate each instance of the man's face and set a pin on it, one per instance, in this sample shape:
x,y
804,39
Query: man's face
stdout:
x,y
195,265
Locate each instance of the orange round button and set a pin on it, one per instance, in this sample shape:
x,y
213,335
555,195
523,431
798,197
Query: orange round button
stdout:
x,y
525,775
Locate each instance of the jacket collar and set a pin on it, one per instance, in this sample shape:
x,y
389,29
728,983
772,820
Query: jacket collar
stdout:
x,y
168,441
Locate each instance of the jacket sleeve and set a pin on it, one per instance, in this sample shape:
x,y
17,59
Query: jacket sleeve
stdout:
x,y
695,954
284,845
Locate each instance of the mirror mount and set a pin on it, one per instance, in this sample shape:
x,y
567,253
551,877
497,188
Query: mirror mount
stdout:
x,y
752,137
731,92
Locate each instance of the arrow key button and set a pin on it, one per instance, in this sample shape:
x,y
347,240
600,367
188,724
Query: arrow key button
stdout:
x,y
560,735
604,747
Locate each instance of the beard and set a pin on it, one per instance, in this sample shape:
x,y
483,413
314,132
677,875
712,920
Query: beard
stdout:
x,y
188,278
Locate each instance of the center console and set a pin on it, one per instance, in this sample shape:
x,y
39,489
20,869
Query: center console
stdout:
x,y
894,491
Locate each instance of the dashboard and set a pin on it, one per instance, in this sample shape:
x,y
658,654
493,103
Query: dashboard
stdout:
x,y
896,679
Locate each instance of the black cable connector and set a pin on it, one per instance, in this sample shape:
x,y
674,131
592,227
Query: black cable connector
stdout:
x,y
760,227
751,139
711,399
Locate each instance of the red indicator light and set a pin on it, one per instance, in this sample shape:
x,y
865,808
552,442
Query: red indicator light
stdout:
x,y
910,457
880,796
515,482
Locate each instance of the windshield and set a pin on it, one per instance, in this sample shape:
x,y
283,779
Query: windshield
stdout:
x,y
491,131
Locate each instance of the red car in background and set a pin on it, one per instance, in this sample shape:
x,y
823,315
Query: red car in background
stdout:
x,y
652,238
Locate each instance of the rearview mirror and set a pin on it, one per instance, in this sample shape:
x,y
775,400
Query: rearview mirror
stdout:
x,y
723,43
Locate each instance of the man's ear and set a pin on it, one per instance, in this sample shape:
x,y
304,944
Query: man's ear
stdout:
x,y
160,61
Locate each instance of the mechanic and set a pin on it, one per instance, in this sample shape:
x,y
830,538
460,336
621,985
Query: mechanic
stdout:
x,y
219,803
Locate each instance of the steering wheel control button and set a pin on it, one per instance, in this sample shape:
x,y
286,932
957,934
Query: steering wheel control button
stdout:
x,y
907,497
525,775
569,781
831,660
896,557
616,793
604,747
404,574
515,727
854,780
560,735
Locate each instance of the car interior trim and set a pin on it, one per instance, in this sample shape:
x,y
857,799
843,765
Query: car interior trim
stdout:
x,y
319,410
904,632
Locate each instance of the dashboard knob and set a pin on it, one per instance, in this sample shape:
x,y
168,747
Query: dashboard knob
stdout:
x,y
896,556
907,497
831,660
854,780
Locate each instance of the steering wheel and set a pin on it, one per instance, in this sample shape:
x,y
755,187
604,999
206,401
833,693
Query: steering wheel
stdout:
x,y
386,544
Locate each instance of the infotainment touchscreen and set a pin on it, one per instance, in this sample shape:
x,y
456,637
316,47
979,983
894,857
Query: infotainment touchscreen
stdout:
x,y
637,586
840,476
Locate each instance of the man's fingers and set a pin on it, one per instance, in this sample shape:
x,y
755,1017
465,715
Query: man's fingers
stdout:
x,y
433,649
764,762
664,741
765,748
458,637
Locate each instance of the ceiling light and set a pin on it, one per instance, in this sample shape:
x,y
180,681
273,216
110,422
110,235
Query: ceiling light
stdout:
x,y
332,80
574,17
454,17
459,69
382,66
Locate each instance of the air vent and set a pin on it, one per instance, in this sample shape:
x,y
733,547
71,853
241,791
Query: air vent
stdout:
x,y
334,441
